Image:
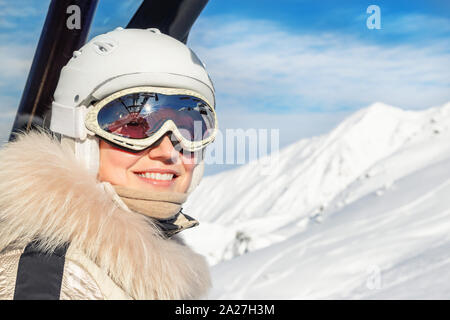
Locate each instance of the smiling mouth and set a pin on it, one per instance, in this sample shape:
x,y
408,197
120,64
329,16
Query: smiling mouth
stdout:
x,y
162,178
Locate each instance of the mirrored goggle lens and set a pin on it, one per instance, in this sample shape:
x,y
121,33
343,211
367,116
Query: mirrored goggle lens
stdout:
x,y
140,115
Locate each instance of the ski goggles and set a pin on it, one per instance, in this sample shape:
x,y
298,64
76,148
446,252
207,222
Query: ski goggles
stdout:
x,y
135,118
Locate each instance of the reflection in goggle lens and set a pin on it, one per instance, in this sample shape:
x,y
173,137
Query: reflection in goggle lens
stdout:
x,y
140,115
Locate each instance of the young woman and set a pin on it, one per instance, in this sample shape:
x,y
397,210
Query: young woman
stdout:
x,y
92,209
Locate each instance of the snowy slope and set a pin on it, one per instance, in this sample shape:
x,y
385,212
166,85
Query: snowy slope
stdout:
x,y
384,233
394,244
243,210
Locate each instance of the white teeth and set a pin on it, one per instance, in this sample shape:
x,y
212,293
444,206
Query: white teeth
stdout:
x,y
156,176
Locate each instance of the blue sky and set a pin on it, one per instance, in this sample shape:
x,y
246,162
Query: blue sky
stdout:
x,y
297,65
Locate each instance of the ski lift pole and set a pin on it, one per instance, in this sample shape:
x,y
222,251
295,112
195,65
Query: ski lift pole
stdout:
x,y
61,35
172,17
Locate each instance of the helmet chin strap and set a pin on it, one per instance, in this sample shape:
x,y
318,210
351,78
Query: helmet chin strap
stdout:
x,y
197,175
88,153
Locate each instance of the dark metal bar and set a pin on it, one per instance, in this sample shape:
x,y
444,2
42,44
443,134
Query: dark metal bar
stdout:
x,y
59,38
172,17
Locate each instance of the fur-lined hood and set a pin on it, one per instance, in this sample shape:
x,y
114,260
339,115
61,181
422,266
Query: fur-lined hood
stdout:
x,y
46,194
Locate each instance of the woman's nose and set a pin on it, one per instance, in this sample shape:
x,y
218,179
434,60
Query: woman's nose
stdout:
x,y
164,150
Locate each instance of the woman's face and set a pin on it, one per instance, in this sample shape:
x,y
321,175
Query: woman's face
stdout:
x,y
158,168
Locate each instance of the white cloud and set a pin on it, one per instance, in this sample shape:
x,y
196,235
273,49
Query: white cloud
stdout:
x,y
254,63
16,61
7,116
418,23
14,9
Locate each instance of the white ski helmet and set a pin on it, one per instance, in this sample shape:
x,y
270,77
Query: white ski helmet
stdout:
x,y
121,59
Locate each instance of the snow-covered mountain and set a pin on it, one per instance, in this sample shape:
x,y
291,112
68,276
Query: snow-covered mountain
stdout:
x,y
361,212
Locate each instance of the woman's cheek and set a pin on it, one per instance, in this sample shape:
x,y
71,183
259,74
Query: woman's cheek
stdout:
x,y
189,161
114,164
188,165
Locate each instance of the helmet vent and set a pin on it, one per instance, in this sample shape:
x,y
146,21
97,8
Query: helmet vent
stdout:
x,y
104,47
154,30
76,54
